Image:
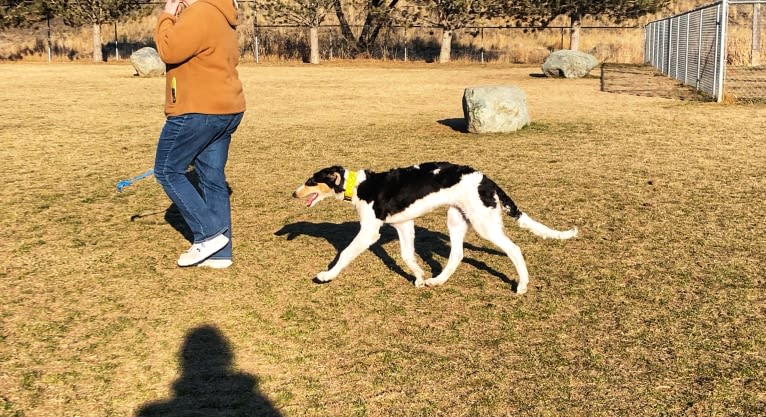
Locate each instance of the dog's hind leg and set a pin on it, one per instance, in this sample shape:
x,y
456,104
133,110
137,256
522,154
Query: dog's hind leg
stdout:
x,y
369,234
406,231
490,227
457,226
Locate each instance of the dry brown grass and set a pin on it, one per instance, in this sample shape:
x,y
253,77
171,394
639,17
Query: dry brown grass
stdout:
x,y
658,308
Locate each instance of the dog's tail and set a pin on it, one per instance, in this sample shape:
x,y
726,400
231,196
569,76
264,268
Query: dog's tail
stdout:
x,y
527,223
545,232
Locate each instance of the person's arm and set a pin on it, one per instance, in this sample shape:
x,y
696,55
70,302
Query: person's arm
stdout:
x,y
176,39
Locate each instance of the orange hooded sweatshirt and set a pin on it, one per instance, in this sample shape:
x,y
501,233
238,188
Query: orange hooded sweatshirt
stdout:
x,y
201,50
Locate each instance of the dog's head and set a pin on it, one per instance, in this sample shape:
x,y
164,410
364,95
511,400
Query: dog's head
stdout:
x,y
327,182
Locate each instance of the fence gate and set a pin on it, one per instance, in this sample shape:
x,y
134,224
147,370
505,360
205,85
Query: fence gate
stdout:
x,y
714,48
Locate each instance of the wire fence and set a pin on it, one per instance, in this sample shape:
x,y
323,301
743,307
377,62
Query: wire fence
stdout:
x,y
262,41
515,45
716,49
745,78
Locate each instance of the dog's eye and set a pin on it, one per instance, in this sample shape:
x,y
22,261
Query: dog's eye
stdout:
x,y
311,182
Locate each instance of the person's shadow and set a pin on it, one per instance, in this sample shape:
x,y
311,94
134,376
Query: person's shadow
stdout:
x,y
208,385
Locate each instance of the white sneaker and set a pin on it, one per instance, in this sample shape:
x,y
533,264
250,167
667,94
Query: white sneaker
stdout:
x,y
215,263
201,251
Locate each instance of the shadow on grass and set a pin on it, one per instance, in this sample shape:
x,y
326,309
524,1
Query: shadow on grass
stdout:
x,y
209,386
456,124
173,216
427,244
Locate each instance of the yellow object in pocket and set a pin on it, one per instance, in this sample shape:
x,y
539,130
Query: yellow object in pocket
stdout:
x,y
173,89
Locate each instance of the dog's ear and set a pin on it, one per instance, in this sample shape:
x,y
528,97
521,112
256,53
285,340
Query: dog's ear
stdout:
x,y
330,176
337,178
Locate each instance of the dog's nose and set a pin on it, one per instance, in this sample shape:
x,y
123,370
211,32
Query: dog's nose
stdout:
x,y
295,195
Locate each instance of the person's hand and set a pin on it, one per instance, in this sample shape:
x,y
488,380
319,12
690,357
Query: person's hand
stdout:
x,y
172,6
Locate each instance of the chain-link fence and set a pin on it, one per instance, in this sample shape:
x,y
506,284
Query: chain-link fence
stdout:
x,y
716,49
745,78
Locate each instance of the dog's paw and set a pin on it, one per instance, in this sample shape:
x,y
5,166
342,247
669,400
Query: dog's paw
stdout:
x,y
323,277
521,290
419,283
432,282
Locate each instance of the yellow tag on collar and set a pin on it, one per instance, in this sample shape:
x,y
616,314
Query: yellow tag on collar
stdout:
x,y
350,184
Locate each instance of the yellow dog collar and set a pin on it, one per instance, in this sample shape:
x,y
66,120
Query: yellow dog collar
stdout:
x,y
348,192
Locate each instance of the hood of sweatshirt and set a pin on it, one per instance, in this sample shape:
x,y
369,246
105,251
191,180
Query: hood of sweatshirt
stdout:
x,y
227,9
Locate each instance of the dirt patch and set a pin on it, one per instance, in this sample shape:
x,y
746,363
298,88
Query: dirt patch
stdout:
x,y
644,80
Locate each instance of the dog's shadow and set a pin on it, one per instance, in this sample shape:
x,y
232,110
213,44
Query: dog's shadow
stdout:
x,y
427,244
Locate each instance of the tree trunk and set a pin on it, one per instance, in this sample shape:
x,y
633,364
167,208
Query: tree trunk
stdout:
x,y
372,25
446,49
98,56
345,27
574,33
314,41
370,29
363,44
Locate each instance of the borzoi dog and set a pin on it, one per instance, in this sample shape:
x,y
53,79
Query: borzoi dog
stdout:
x,y
399,196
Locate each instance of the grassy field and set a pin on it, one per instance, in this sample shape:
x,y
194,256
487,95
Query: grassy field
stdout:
x,y
657,309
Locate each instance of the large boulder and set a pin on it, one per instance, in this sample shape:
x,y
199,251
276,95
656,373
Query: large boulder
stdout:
x,y
569,64
494,109
147,62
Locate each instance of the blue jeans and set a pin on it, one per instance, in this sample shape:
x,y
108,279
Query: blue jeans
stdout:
x,y
201,140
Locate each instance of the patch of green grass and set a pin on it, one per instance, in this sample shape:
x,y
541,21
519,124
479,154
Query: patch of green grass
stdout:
x,y
9,410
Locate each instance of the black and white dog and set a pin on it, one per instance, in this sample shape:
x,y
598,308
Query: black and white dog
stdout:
x,y
399,196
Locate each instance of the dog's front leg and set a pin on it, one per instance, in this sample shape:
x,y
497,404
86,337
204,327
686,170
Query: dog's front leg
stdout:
x,y
368,235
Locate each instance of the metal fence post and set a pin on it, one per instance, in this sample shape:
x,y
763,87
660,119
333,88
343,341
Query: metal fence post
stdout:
x,y
721,65
116,44
698,84
686,61
755,49
50,45
666,44
482,45
672,49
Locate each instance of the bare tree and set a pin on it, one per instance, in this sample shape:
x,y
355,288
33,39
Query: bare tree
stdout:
x,y
12,13
305,13
376,15
576,10
453,15
95,13
24,12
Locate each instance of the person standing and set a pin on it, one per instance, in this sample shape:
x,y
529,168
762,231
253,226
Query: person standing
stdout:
x,y
204,105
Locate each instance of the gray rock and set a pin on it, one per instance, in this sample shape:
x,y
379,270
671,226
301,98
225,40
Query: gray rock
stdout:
x,y
569,64
494,109
147,62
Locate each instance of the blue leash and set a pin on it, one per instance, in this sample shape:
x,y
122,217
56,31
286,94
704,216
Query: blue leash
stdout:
x,y
124,183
